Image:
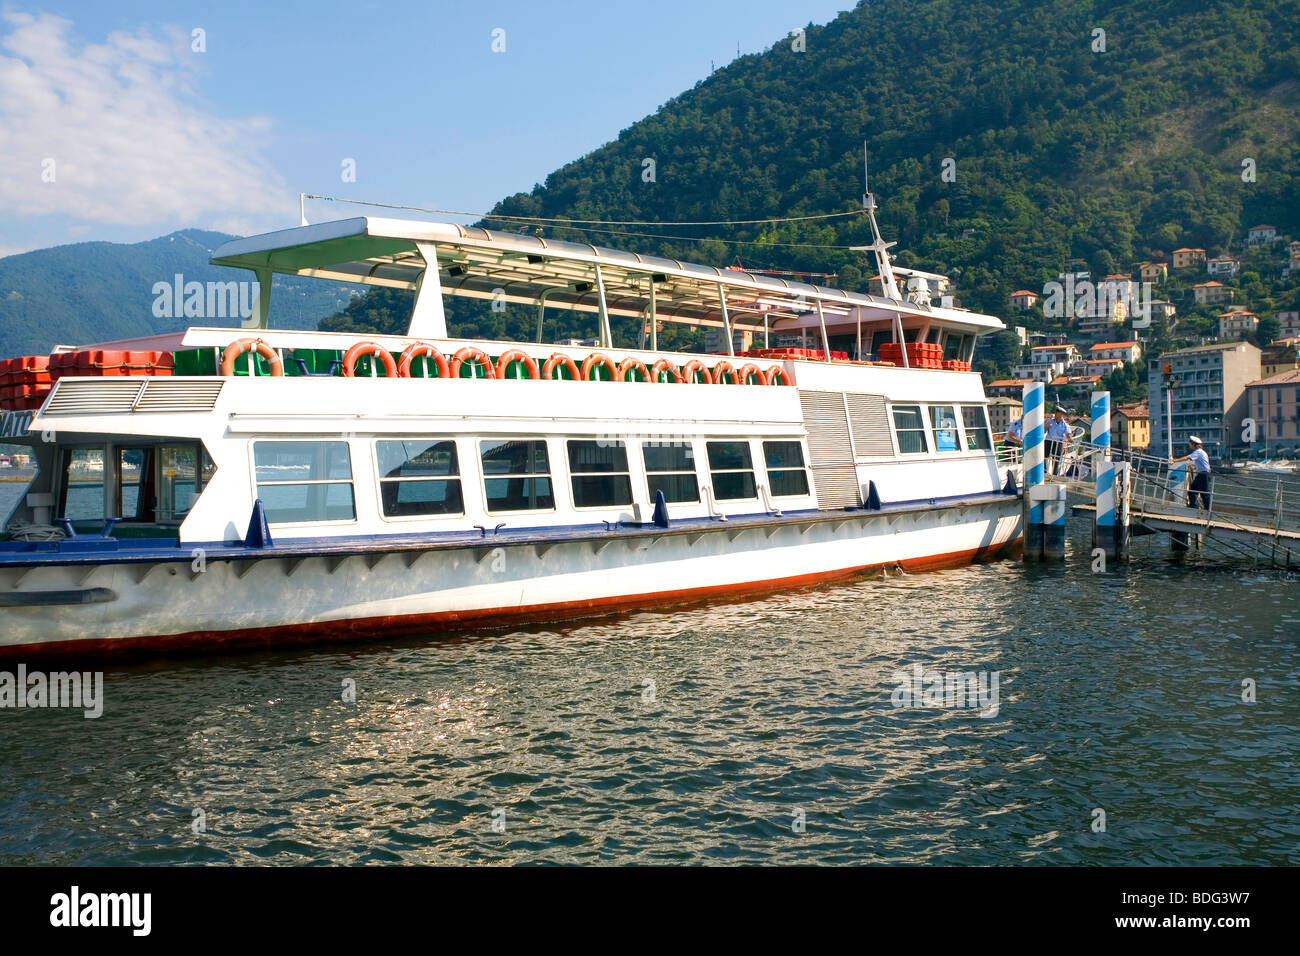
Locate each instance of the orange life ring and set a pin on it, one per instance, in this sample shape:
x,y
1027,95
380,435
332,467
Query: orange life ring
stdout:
x,y
506,359
693,366
594,359
664,366
630,364
724,368
412,352
368,348
751,369
472,355
774,372
240,346
556,360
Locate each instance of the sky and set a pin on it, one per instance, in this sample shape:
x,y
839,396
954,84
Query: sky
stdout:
x,y
128,120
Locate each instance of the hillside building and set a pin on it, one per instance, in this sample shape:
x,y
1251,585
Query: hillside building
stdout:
x,y
1208,397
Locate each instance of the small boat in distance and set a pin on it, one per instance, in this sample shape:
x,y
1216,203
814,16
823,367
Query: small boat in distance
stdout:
x,y
221,487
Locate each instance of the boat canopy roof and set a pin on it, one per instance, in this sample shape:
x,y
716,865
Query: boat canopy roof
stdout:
x,y
482,263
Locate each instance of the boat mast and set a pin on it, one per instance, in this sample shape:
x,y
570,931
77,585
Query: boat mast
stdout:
x,y
888,284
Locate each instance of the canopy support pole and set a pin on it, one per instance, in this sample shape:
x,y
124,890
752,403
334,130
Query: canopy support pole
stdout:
x,y
606,336
900,339
726,320
654,321
428,320
541,312
826,340
262,307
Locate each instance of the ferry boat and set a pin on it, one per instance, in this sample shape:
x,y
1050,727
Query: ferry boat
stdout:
x,y
220,487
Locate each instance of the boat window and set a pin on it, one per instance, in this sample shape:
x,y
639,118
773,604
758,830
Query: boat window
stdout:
x,y
944,420
976,422
785,468
182,472
732,469
670,468
419,476
82,492
909,424
135,487
517,475
599,474
304,480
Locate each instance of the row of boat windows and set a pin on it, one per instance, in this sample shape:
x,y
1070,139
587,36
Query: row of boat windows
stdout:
x,y
303,481
919,436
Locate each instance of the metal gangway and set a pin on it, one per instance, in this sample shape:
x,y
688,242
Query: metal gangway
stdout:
x,y
1251,516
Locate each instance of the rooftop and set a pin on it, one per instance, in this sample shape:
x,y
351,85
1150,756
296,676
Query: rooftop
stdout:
x,y
1214,347
1289,377
1112,345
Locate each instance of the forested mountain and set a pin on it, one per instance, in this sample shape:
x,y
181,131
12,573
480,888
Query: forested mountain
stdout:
x,y
100,291
1103,131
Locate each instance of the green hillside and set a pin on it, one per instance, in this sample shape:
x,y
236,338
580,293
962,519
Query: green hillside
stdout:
x,y
1058,151
99,291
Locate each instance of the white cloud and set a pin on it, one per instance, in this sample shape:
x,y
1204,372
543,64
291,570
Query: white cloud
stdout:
x,y
130,139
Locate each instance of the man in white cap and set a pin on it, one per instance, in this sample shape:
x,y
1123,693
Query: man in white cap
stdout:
x,y
1058,433
1198,495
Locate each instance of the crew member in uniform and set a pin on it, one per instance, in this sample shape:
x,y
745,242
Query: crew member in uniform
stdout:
x,y
1198,494
1058,431
1015,433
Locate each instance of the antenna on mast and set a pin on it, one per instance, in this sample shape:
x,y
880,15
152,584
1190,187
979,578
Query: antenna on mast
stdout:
x,y
888,284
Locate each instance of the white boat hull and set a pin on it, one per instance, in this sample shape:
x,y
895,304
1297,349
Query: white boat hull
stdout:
x,y
204,601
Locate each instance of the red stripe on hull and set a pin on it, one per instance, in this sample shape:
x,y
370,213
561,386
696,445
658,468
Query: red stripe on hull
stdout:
x,y
359,629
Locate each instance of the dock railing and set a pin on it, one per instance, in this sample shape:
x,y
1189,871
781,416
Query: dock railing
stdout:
x,y
1248,502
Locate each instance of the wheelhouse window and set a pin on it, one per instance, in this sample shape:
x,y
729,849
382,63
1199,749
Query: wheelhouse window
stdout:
x,y
419,477
598,473
974,419
786,474
517,475
301,481
909,425
670,468
731,468
944,420
82,488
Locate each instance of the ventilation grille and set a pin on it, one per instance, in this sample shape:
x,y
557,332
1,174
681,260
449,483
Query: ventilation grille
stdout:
x,y
180,395
869,422
99,397
829,449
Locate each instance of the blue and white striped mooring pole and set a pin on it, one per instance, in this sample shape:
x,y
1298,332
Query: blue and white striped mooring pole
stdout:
x,y
1107,529
1032,436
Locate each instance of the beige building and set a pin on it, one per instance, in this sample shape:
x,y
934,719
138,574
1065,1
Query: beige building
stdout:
x,y
1153,271
1130,427
1023,299
1237,324
1274,404
1211,292
1279,356
1123,351
1186,258
1002,412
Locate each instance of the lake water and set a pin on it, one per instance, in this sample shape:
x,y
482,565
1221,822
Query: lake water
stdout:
x,y
703,734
